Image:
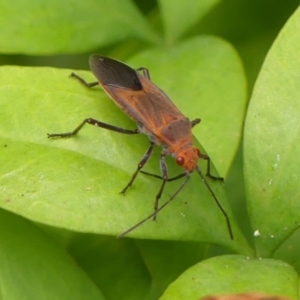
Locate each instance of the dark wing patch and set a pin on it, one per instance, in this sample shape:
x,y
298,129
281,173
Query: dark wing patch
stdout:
x,y
150,106
158,109
114,73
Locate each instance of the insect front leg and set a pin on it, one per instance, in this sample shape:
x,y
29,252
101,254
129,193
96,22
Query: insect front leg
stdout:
x,y
195,122
139,167
208,174
160,177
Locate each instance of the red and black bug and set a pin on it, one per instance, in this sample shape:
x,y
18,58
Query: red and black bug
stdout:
x,y
157,117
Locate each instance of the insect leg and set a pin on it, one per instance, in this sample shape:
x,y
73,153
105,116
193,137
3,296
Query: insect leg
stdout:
x,y
139,167
145,71
160,177
164,177
208,174
195,122
95,123
82,81
153,215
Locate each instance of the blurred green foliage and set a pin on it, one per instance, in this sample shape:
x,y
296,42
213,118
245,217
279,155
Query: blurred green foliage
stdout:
x,y
250,25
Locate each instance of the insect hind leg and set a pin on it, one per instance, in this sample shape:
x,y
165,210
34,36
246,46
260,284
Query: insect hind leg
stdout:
x,y
145,71
83,82
95,123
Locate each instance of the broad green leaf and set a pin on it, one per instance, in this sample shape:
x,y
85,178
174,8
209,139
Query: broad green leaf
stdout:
x,y
272,147
75,183
166,260
37,27
179,16
150,265
233,274
289,250
35,267
115,265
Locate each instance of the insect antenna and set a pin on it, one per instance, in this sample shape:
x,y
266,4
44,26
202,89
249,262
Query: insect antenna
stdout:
x,y
217,202
187,174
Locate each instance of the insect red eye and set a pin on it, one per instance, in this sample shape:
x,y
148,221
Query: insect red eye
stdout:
x,y
180,160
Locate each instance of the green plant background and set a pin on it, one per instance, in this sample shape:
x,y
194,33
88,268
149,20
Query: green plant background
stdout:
x,y
235,64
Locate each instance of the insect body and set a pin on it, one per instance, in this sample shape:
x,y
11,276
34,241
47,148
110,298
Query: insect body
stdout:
x,y
156,116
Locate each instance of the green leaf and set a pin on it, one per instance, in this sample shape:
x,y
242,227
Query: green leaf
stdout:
x,y
34,267
289,251
272,144
75,183
150,265
232,274
102,257
166,260
35,27
179,16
